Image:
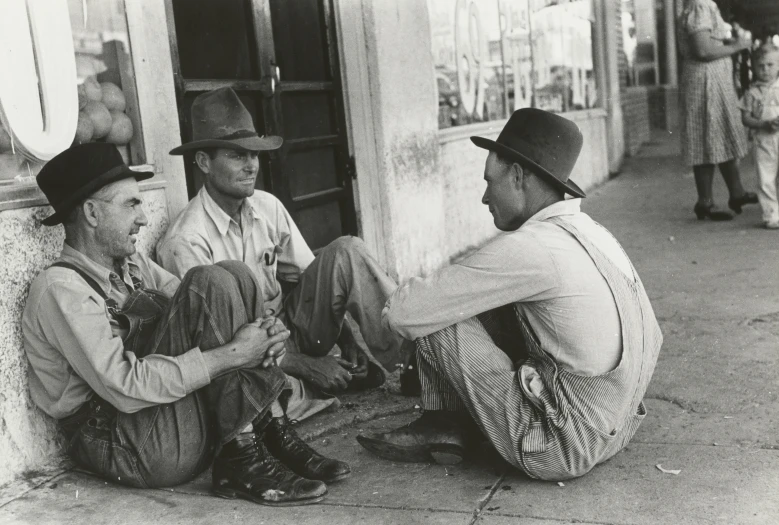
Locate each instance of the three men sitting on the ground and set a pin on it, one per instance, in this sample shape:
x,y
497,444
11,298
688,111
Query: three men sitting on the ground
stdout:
x,y
543,340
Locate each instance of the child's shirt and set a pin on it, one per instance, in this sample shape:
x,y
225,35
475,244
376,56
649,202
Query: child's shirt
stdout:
x,y
761,100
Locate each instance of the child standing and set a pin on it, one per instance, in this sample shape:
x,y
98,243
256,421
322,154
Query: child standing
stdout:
x,y
760,113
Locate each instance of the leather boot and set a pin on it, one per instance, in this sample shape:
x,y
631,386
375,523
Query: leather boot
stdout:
x,y
245,469
284,443
436,436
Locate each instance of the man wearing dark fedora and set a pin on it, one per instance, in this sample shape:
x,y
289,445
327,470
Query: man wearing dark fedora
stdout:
x,y
543,341
154,379
230,220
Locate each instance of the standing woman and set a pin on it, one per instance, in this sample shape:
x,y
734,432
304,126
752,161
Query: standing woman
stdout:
x,y
712,133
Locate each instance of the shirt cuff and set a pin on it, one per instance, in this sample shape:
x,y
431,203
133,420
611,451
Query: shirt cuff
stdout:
x,y
193,368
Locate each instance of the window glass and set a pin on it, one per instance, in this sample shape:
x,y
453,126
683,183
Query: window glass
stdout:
x,y
104,98
492,57
639,28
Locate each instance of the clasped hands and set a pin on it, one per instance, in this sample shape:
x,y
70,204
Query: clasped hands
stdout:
x,y
261,341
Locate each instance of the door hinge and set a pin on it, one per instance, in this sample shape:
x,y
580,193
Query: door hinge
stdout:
x,y
351,167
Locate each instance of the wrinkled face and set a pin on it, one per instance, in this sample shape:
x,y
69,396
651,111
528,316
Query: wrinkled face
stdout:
x,y
504,195
120,216
231,173
767,67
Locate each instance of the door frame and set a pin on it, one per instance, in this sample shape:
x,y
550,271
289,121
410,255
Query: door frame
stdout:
x,y
364,128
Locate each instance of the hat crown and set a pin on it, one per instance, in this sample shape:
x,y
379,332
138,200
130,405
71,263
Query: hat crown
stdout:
x,y
75,168
220,114
549,140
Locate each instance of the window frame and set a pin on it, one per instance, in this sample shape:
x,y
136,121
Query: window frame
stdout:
x,y
493,127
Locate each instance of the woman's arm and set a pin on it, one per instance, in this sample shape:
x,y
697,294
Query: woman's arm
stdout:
x,y
706,48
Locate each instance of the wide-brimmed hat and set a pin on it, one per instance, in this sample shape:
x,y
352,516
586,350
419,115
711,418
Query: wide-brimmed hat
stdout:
x,y
80,171
220,120
549,144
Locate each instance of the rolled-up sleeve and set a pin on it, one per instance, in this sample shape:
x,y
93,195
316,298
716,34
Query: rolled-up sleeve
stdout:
x,y
77,325
509,269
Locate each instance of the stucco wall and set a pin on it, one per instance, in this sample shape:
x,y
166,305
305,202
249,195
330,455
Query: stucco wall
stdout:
x,y
431,181
28,438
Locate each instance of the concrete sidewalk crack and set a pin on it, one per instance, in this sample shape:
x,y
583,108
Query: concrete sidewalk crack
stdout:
x,y
486,499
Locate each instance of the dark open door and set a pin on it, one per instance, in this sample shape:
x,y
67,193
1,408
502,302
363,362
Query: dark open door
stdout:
x,y
281,58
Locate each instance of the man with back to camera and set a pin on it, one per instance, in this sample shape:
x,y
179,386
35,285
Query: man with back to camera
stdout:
x,y
544,339
229,220
154,379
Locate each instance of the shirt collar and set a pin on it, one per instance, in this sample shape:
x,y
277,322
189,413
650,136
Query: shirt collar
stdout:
x,y
98,272
218,215
563,207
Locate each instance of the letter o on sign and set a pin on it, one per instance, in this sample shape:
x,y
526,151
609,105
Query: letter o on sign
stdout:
x,y
38,99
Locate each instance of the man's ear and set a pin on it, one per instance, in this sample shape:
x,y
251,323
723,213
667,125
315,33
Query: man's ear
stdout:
x,y
203,161
517,174
90,212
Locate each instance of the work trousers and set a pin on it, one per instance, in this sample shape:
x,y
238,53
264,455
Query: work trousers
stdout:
x,y
170,444
767,160
344,277
472,365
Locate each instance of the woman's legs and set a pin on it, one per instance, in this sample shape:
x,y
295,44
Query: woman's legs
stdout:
x,y
732,178
704,179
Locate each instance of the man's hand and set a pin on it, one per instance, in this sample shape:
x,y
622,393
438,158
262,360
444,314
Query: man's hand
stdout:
x,y
325,373
354,360
255,345
274,326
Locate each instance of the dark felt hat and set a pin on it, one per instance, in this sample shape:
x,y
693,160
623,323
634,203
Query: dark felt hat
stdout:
x,y
220,120
548,143
80,171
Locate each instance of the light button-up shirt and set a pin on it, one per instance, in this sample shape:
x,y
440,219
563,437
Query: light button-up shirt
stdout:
x,y
269,241
75,348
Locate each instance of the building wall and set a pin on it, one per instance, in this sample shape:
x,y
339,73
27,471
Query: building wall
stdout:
x,y
28,438
428,183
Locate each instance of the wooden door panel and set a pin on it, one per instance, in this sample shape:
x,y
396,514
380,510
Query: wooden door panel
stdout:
x,y
307,114
311,171
318,223
299,35
214,39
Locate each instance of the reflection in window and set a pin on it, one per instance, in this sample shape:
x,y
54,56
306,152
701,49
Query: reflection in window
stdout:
x,y
107,102
495,56
638,42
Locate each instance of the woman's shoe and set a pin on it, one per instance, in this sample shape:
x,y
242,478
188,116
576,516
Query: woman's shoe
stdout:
x,y
703,211
736,203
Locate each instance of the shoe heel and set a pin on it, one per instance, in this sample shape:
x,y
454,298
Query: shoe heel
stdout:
x,y
700,213
446,454
225,492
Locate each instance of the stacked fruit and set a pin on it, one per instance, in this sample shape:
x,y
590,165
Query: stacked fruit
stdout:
x,y
101,113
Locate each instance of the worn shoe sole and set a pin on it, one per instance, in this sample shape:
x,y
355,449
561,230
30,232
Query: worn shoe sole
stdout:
x,y
441,453
337,478
230,493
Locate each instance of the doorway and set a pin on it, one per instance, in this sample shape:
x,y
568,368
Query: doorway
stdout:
x,y
281,58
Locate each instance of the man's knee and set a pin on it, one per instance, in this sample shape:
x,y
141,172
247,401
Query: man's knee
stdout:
x,y
347,244
237,268
213,276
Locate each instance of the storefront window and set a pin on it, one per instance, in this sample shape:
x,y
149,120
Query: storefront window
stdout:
x,y
495,56
639,40
71,85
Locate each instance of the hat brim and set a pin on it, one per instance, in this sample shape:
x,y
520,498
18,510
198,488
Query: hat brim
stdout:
x,y
113,175
269,143
569,187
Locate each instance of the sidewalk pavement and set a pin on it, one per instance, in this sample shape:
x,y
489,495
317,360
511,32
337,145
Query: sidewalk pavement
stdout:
x,y
713,412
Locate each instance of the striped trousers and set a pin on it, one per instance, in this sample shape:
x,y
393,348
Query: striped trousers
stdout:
x,y
471,366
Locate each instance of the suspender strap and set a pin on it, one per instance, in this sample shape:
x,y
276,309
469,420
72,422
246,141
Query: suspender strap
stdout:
x,y
91,282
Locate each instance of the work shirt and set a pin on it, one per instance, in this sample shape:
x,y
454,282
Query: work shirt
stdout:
x,y
545,272
75,348
269,242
